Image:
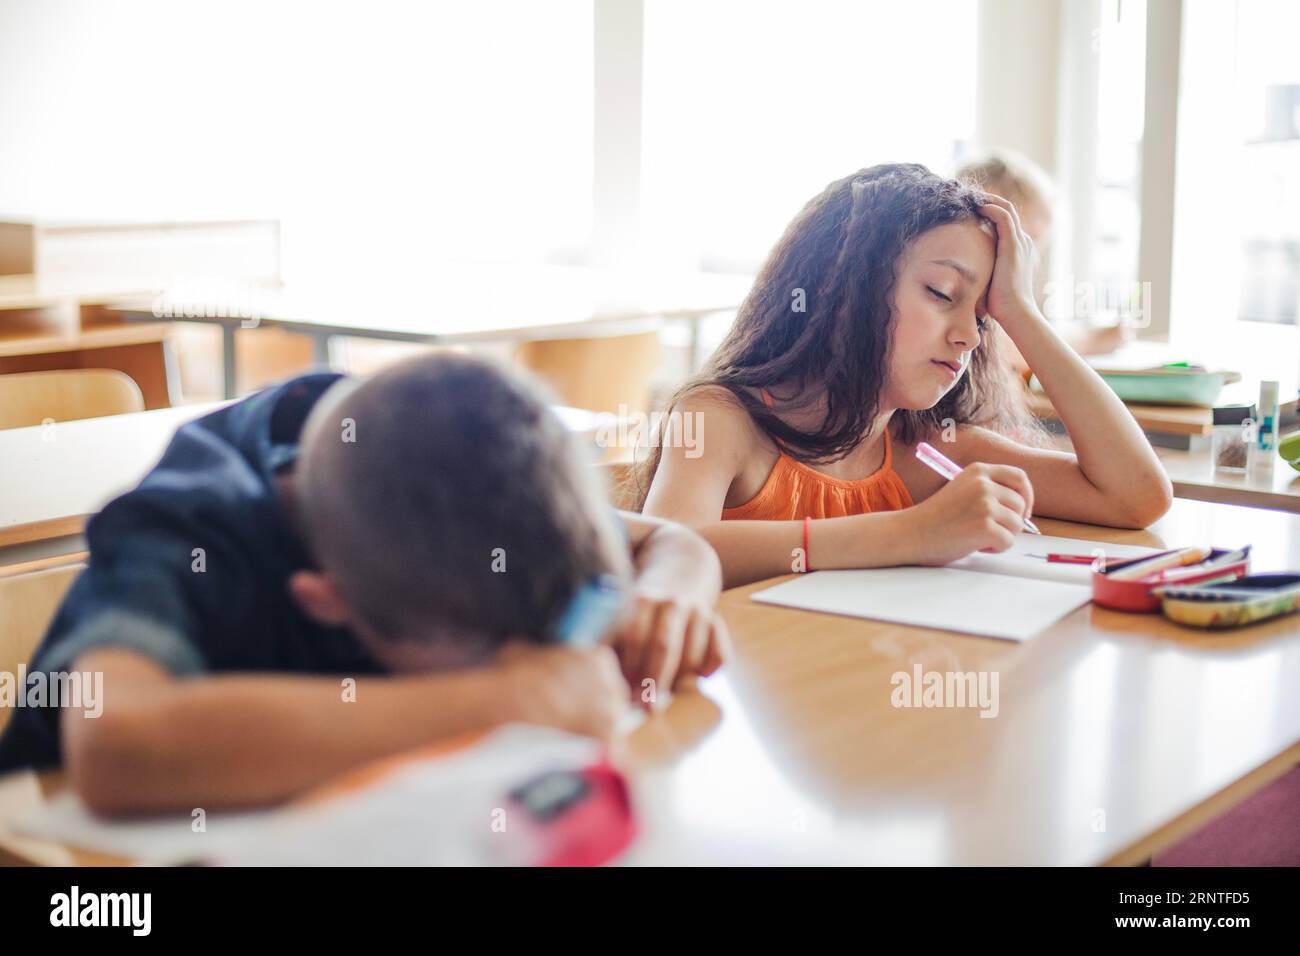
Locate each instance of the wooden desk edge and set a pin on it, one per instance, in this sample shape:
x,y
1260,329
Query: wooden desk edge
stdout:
x,y
43,342
42,530
44,564
1227,495
1193,819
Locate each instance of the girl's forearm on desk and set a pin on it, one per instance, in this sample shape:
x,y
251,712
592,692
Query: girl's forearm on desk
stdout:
x,y
753,550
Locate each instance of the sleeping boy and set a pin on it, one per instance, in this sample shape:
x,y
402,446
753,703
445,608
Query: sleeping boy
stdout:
x,y
337,569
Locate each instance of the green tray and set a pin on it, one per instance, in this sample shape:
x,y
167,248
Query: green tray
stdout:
x,y
1164,387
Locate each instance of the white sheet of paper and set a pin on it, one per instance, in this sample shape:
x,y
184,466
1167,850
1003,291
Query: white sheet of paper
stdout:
x,y
971,602
1010,595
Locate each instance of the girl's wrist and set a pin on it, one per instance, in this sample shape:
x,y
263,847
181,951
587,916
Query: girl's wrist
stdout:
x,y
894,539
1022,315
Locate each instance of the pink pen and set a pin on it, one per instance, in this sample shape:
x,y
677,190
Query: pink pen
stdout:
x,y
948,469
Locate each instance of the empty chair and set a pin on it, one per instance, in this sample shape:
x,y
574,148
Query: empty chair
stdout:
x,y
30,398
27,605
602,374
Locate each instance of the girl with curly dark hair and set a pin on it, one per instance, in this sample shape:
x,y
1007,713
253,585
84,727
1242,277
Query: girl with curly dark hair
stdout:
x,y
864,335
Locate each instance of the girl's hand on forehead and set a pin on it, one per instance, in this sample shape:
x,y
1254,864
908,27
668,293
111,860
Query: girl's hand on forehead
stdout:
x,y
1011,290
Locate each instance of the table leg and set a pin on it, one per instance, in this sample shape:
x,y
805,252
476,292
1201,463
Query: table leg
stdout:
x,y
696,358
171,372
228,368
320,346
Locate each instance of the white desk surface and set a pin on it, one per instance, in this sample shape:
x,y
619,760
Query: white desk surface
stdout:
x,y
470,303
54,478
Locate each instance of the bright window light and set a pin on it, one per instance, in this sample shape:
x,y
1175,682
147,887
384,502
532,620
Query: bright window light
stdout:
x,y
750,108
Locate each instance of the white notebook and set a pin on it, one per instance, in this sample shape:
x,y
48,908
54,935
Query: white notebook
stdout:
x,y
1011,595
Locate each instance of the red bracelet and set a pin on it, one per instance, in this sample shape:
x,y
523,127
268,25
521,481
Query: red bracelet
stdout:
x,y
807,555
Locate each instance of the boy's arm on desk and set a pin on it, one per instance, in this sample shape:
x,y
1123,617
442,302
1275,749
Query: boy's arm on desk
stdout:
x,y
163,743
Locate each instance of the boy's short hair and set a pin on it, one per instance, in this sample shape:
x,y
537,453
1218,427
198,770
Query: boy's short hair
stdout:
x,y
446,499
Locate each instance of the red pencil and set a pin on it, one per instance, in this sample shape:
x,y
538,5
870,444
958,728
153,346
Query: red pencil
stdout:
x,y
1066,558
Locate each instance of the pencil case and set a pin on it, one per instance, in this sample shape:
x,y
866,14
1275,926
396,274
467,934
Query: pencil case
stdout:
x,y
1256,597
1139,596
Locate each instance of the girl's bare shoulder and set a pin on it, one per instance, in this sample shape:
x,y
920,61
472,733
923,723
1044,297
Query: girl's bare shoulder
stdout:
x,y
720,405
726,420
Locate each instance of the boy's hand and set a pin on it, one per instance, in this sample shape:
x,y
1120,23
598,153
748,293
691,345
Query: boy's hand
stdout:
x,y
578,689
663,638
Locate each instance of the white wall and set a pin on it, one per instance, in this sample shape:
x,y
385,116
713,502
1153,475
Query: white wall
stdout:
x,y
383,133
1016,88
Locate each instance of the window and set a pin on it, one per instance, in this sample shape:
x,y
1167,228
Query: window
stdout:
x,y
1268,137
383,136
752,108
1236,266
1120,44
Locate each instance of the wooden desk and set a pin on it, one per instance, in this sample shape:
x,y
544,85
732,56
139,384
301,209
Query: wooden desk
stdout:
x,y
795,754
1159,727
464,304
143,352
1274,484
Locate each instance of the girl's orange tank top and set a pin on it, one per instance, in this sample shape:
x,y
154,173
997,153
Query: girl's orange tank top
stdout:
x,y
794,491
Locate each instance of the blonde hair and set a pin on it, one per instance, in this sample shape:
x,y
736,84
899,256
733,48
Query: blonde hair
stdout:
x,y
1011,176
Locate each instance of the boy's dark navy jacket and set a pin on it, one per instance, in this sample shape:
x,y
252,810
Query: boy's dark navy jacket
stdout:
x,y
191,567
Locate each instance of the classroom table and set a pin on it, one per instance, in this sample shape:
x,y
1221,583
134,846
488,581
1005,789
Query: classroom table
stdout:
x,y
462,304
1126,722
55,477
1116,736
1270,482
144,352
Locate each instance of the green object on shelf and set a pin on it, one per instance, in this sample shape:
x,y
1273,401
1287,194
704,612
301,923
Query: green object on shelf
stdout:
x,y
1167,386
1289,449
